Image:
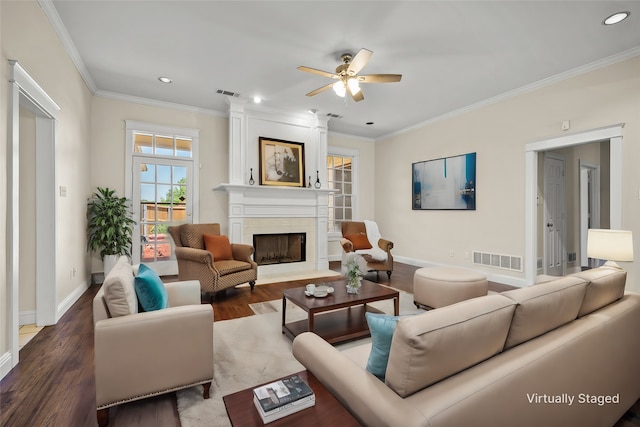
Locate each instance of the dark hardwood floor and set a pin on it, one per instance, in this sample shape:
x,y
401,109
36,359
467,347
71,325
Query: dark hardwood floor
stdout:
x,y
53,385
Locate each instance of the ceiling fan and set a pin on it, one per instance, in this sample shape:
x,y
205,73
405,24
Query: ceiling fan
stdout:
x,y
348,78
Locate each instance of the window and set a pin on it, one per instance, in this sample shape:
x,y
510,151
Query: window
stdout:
x,y
162,184
341,178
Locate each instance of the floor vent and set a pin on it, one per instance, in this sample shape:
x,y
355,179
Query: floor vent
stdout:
x,y
505,262
228,93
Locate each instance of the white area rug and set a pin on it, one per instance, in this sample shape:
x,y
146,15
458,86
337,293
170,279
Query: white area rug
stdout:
x,y
250,351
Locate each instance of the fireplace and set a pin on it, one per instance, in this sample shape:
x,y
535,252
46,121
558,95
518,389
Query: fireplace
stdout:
x,y
279,248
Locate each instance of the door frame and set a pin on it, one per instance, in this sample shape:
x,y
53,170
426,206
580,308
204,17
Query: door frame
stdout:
x,y
611,133
563,232
25,92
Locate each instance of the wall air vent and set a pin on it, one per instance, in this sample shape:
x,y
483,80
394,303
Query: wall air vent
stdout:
x,y
228,93
334,116
505,262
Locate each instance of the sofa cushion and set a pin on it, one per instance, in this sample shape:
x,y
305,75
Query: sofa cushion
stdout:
x,y
604,286
432,346
219,246
359,241
229,266
544,307
119,292
150,290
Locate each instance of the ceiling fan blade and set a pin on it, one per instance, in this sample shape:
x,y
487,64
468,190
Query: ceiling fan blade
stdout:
x,y
320,89
319,72
380,78
359,61
358,96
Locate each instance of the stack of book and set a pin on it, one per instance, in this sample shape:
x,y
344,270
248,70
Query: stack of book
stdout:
x,y
281,398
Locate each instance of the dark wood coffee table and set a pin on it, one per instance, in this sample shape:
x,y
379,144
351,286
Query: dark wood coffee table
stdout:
x,y
327,411
339,316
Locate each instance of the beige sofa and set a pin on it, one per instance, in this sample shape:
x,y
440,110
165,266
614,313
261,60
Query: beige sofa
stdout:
x,y
139,355
561,353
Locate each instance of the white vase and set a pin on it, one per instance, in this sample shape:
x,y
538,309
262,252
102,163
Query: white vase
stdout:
x,y
109,262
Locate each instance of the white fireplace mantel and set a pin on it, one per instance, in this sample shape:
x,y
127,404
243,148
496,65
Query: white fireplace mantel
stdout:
x,y
275,203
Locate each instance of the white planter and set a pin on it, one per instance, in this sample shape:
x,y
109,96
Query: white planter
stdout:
x,y
109,262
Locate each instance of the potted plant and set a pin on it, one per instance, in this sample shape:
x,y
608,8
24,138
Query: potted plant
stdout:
x,y
109,226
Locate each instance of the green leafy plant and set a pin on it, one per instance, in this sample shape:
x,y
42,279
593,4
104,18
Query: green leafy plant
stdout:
x,y
109,223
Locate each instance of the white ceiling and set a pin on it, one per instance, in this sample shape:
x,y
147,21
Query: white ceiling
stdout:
x,y
452,54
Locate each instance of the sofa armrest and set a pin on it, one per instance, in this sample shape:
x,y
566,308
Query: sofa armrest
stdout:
x,y
186,292
242,252
150,353
346,244
195,255
364,395
385,245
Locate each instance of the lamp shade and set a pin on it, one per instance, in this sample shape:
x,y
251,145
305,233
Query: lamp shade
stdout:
x,y
611,245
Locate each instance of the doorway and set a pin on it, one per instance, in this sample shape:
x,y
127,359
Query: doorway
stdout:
x,y
25,93
612,134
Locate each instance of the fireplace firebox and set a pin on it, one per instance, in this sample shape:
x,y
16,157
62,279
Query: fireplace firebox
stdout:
x,y
279,248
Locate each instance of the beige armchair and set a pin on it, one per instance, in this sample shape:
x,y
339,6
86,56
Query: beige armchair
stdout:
x,y
354,237
196,263
138,355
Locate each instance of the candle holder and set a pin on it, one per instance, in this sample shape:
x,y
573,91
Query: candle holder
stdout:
x,y
318,185
251,180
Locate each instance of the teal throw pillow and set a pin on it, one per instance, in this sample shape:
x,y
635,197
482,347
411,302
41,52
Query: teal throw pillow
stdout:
x,y
150,290
381,327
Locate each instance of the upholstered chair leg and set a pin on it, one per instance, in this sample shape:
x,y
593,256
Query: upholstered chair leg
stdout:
x,y
252,284
103,417
389,274
205,393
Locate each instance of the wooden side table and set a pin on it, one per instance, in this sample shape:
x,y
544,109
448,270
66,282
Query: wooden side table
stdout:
x,y
328,411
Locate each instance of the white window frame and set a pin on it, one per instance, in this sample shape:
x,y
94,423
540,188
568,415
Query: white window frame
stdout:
x,y
355,177
133,126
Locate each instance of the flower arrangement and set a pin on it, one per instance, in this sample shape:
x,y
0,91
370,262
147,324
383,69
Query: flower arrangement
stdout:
x,y
353,272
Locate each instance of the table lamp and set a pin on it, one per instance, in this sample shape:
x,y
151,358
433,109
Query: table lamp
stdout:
x,y
610,245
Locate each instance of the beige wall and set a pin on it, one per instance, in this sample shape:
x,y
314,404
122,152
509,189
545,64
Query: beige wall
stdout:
x,y
499,133
26,36
108,151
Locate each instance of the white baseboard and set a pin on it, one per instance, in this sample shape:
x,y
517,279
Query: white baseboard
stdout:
x,y
5,364
71,299
27,317
492,277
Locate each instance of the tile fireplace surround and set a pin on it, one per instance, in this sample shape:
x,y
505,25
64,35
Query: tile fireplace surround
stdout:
x,y
258,209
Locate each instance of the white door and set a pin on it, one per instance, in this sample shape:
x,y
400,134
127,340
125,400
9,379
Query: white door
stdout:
x,y
162,196
554,215
589,208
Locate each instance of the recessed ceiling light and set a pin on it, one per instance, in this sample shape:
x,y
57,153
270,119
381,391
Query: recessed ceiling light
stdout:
x,y
257,99
616,17
165,79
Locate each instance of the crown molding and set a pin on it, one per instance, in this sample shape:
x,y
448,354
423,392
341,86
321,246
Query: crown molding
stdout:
x,y
160,104
596,65
52,14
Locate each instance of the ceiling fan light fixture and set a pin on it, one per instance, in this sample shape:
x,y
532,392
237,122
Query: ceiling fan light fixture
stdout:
x,y
340,89
354,85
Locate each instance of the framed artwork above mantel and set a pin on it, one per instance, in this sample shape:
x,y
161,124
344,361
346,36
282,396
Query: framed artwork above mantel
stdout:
x,y
281,162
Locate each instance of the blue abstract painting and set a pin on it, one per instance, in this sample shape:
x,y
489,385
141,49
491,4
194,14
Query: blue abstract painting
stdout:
x,y
446,183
